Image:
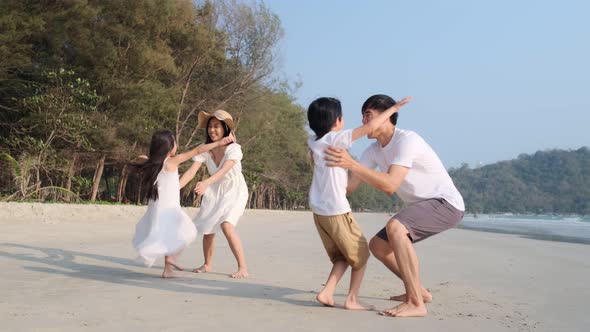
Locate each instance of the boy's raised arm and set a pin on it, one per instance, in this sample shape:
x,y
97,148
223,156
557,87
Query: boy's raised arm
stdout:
x,y
379,120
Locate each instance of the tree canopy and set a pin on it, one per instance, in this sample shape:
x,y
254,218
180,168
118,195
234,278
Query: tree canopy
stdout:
x,y
84,84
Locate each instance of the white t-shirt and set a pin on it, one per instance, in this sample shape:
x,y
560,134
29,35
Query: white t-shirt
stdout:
x,y
327,195
427,177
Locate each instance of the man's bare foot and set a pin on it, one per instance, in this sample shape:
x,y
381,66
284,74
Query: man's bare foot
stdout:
x,y
242,273
326,300
202,269
354,305
426,297
406,310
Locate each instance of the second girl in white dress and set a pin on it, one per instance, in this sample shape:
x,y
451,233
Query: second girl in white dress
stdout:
x,y
225,193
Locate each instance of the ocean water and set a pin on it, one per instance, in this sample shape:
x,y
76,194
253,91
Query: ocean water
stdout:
x,y
574,229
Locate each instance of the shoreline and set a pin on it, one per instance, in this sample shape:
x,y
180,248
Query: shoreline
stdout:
x,y
54,213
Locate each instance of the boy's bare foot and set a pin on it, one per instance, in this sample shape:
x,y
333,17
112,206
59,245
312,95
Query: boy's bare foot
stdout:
x,y
406,310
353,305
242,273
325,299
426,296
202,269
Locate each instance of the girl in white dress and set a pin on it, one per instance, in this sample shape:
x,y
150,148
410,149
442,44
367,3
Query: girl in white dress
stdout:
x,y
225,193
165,229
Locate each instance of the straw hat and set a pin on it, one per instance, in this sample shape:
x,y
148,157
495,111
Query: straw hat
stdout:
x,y
221,115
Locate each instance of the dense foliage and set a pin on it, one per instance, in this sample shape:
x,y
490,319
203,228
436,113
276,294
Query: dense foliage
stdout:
x,y
555,181
84,84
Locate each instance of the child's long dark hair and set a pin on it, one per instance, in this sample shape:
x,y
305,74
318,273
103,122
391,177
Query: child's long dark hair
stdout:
x,y
162,143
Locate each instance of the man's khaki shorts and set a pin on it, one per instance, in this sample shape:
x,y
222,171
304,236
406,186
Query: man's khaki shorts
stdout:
x,y
343,239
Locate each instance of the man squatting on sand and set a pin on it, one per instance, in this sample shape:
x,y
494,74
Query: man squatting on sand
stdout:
x,y
408,166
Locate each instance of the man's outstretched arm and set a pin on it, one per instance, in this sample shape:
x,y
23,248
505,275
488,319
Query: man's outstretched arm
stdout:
x,y
353,183
387,182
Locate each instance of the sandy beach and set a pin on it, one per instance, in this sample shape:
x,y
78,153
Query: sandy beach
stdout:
x,y
72,268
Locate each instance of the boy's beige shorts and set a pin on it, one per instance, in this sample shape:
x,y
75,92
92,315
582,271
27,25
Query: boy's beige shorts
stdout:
x,y
343,239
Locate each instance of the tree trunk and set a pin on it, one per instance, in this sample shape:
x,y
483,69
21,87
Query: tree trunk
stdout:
x,y
97,177
273,197
71,170
38,172
108,188
263,197
122,184
260,196
250,194
138,202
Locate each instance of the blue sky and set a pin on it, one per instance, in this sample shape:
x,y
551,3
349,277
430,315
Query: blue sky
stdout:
x,y
490,80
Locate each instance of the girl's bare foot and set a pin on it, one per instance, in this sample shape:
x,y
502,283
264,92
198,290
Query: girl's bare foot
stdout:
x,y
406,310
354,305
242,273
168,271
325,299
174,265
426,296
202,269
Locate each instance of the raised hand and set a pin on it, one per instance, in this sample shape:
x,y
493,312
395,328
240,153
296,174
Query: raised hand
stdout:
x,y
228,139
403,102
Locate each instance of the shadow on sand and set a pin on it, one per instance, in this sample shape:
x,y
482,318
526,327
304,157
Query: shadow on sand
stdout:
x,y
63,260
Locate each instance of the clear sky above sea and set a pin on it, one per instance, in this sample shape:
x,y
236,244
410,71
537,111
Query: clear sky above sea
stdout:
x,y
490,79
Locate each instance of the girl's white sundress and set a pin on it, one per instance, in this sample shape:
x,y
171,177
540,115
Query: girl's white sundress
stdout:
x,y
165,229
226,199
